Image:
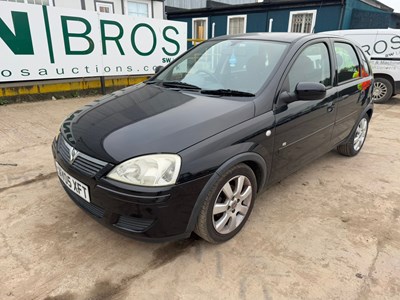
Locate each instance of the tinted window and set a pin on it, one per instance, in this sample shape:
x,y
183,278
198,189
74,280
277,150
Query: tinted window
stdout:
x,y
365,70
347,61
312,65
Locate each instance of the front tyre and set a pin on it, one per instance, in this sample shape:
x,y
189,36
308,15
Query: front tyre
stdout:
x,y
355,143
228,205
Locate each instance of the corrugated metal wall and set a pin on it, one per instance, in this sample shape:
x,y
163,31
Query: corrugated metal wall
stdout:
x,y
361,19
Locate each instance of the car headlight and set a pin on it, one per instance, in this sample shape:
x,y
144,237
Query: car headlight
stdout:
x,y
148,170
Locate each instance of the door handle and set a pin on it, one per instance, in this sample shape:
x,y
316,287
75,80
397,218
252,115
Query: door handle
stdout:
x,y
330,107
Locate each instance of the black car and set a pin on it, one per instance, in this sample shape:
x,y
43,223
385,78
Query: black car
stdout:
x,y
190,149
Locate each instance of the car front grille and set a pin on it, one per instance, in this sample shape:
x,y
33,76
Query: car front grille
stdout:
x,y
83,163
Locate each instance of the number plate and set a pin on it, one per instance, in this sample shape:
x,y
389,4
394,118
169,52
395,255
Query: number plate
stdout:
x,y
73,184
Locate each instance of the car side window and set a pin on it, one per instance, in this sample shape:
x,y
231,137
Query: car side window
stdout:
x,y
312,65
365,69
347,62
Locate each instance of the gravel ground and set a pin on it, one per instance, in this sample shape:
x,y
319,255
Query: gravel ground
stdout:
x,y
329,231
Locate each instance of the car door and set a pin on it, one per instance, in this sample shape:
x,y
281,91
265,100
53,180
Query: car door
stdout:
x,y
303,128
353,80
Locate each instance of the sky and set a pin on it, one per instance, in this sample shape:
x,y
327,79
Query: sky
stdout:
x,y
395,4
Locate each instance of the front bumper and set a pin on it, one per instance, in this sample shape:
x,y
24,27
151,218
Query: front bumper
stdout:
x,y
145,213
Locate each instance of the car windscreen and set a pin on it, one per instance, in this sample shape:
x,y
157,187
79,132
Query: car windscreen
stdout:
x,y
225,65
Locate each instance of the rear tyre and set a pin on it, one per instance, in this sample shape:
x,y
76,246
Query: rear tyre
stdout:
x,y
383,90
228,205
356,142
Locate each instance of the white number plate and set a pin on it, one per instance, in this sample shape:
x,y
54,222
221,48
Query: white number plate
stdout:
x,y
73,184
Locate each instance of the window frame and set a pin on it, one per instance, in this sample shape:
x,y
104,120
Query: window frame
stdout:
x,y
299,12
300,51
282,82
205,29
98,3
234,17
138,2
337,66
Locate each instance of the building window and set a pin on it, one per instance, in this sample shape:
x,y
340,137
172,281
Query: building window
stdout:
x,y
40,2
200,28
138,9
104,7
302,21
236,24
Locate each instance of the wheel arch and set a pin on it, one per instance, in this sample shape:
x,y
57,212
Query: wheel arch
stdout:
x,y
370,112
251,159
367,111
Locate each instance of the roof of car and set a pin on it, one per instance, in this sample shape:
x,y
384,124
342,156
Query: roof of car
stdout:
x,y
270,36
363,31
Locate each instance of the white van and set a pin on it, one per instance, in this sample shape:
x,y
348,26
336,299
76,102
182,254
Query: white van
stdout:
x,y
383,48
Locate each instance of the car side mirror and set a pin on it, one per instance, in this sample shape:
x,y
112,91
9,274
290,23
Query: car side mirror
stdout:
x,y
305,91
286,98
308,91
157,69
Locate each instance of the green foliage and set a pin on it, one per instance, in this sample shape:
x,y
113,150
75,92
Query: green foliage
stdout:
x,y
3,102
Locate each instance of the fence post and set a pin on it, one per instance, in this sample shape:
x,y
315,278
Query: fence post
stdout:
x,y
103,85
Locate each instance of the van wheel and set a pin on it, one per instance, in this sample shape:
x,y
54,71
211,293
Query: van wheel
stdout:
x,y
383,90
228,205
355,143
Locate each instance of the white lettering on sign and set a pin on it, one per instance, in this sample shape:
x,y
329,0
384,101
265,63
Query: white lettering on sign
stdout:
x,y
41,42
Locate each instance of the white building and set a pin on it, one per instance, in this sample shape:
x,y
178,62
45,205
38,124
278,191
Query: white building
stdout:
x,y
142,8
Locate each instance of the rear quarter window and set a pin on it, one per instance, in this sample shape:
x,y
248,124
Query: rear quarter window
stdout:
x,y
365,67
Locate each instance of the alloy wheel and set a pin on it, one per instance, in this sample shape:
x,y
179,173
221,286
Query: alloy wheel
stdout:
x,y
232,204
361,133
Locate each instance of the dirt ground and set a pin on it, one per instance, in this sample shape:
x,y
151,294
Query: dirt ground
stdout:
x,y
330,231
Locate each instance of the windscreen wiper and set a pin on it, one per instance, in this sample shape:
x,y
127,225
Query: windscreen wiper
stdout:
x,y
151,81
180,84
227,92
